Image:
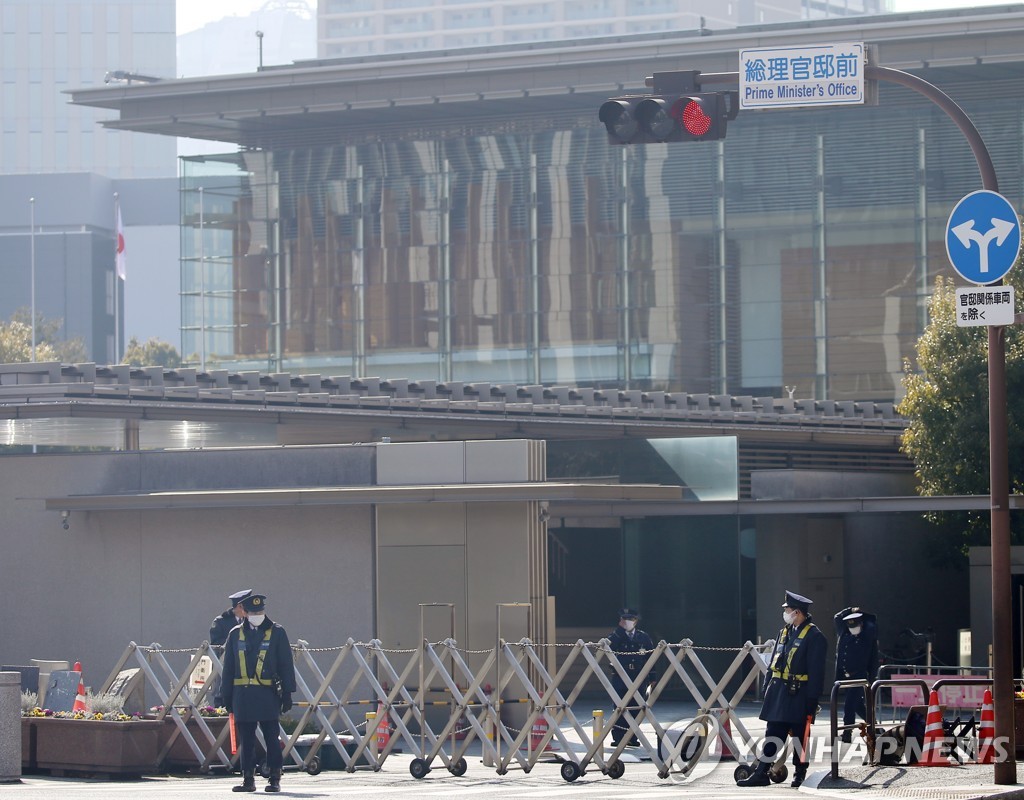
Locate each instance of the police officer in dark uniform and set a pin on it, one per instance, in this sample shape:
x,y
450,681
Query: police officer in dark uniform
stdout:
x,y
629,643
225,621
221,627
797,670
259,678
856,658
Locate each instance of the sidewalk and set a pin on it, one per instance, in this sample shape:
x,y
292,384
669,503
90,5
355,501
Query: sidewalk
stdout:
x,y
711,779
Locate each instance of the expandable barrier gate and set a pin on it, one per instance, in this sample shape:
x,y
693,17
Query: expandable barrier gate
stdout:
x,y
509,680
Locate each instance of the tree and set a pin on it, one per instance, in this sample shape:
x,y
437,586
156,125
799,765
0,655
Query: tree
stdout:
x,y
16,340
946,403
154,353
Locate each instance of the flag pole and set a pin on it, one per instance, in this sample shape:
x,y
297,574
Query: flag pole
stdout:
x,y
32,239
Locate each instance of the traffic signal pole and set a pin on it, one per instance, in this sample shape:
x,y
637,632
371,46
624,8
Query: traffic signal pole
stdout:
x,y
999,478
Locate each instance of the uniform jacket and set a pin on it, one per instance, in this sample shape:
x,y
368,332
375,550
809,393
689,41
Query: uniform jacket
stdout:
x,y
221,627
629,653
856,656
257,703
780,703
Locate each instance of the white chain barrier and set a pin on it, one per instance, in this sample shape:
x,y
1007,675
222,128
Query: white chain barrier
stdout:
x,y
365,702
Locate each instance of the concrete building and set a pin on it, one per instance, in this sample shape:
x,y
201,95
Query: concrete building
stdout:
x,y
60,155
349,28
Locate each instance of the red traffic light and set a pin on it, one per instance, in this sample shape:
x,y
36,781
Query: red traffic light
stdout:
x,y
692,115
642,119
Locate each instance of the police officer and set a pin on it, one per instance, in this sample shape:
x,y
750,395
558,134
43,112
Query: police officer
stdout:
x,y
856,658
259,678
791,696
629,644
221,627
226,620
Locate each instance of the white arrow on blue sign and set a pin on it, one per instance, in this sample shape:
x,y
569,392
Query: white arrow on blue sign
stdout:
x,y
983,237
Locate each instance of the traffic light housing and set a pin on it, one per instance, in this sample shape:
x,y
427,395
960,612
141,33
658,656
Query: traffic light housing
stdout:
x,y
690,117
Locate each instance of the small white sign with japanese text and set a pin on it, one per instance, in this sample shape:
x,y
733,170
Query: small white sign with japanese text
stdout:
x,y
813,75
984,305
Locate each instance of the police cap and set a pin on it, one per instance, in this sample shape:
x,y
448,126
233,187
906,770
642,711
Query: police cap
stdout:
x,y
255,603
629,613
854,618
797,601
238,597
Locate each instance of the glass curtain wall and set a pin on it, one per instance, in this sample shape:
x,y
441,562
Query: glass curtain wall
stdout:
x,y
796,255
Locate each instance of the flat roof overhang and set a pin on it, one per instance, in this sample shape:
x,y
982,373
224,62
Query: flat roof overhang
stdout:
x,y
256,109
565,499
51,420
550,491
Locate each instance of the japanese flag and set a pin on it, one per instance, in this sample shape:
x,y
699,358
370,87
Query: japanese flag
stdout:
x,y
119,260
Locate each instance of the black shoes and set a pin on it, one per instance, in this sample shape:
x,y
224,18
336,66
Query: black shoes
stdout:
x,y
275,782
759,777
248,783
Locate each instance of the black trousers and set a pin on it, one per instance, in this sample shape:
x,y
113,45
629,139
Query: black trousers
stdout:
x,y
854,706
247,744
620,729
775,734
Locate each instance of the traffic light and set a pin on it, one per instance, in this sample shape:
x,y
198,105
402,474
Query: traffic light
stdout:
x,y
642,119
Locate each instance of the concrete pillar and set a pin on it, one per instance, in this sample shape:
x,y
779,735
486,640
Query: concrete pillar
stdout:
x,y
10,727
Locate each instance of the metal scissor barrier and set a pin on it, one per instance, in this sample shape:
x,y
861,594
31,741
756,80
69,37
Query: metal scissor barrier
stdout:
x,y
507,700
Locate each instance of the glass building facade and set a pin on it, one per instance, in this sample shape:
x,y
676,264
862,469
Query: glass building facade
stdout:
x,y
795,255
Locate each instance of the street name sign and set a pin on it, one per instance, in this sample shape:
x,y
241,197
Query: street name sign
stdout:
x,y
984,305
809,75
983,237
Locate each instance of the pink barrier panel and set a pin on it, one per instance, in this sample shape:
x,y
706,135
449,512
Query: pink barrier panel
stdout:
x,y
969,696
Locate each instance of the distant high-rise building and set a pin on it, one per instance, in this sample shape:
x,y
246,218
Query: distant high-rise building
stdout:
x,y
50,46
60,168
364,27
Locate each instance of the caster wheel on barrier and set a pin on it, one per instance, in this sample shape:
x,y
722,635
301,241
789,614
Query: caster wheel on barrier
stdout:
x,y
616,769
778,774
570,771
458,768
264,771
741,773
314,766
418,768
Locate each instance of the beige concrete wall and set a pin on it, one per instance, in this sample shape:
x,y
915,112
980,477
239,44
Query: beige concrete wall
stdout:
x,y
473,555
161,576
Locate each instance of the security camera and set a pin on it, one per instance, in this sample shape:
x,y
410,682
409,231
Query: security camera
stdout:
x,y
64,516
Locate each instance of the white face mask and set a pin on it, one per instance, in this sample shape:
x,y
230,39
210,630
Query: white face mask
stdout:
x,y
855,630
256,619
789,617
629,624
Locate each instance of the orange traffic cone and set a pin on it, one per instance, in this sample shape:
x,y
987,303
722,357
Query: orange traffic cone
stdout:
x,y
80,696
719,750
383,727
934,736
987,732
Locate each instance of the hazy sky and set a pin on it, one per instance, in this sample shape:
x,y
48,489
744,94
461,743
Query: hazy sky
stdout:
x,y
194,14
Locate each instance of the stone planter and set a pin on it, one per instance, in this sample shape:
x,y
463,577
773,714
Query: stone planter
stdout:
x,y
180,755
28,743
78,745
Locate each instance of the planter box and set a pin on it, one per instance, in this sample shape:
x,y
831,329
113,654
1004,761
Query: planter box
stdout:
x,y
78,745
180,755
28,743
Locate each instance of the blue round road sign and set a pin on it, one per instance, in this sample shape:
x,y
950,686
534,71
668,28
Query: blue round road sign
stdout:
x,y
983,237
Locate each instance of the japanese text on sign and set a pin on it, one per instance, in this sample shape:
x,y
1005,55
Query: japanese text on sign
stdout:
x,y
802,76
984,305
